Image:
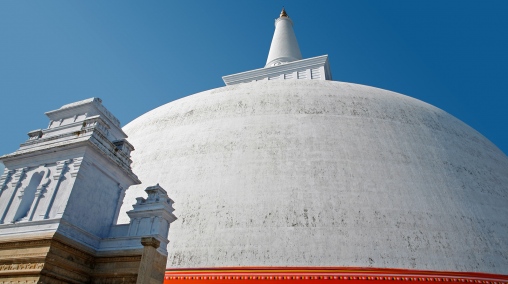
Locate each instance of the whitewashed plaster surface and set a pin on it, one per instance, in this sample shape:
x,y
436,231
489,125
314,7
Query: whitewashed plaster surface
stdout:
x,y
74,170
322,173
71,178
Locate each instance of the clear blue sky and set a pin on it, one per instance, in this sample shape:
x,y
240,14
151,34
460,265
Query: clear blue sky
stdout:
x,y
137,55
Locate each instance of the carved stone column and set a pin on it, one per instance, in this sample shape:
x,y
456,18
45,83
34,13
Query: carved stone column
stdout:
x,y
152,266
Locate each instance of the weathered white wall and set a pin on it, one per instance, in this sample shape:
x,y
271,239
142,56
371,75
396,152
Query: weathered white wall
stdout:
x,y
93,202
320,173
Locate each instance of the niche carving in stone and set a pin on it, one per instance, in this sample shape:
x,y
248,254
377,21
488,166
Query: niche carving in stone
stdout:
x,y
27,196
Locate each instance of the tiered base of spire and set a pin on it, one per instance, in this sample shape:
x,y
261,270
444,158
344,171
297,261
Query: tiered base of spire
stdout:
x,y
315,68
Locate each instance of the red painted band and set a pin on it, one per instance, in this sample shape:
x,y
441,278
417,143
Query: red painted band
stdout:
x,y
354,275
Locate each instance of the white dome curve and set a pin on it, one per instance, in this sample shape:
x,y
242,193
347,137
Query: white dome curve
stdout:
x,y
321,173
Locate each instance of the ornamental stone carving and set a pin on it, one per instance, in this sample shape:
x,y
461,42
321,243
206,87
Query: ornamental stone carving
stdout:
x,y
63,189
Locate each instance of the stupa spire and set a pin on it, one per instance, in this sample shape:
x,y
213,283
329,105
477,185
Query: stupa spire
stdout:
x,y
285,60
284,47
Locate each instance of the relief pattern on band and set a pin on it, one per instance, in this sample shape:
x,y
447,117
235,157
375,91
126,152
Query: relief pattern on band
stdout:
x,y
21,266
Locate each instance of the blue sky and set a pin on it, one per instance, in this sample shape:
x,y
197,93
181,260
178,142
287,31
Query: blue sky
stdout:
x,y
137,55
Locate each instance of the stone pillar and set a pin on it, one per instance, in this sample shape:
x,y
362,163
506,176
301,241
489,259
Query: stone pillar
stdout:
x,y
153,263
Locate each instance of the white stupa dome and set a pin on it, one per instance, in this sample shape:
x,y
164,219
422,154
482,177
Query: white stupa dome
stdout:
x,y
323,173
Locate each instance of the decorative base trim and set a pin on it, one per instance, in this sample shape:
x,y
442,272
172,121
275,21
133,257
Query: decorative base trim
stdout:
x,y
353,275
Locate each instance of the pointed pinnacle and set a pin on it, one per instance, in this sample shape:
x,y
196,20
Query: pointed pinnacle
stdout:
x,y
283,13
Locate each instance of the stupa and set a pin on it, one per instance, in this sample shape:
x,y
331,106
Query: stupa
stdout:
x,y
284,174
